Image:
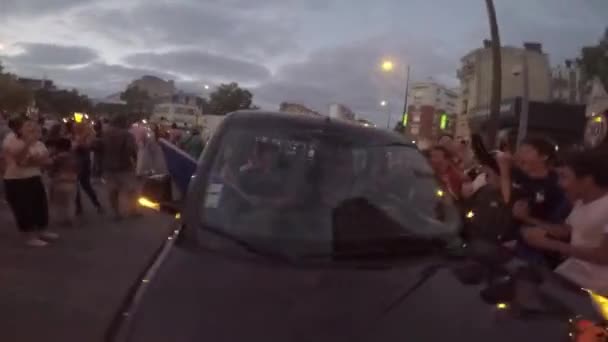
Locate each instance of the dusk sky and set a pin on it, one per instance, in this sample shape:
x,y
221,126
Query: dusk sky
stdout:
x,y
313,52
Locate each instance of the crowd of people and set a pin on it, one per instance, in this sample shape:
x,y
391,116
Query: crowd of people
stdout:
x,y
45,171
557,203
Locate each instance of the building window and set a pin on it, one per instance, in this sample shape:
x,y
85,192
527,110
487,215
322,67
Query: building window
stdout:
x,y
416,118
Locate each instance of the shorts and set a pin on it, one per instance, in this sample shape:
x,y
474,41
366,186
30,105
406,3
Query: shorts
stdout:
x,y
63,192
121,181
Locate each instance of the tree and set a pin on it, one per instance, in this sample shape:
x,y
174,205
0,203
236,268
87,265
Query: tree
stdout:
x,y
61,102
14,97
138,101
594,60
229,98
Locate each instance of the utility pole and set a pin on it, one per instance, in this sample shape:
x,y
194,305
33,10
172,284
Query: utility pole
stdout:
x,y
525,100
407,90
492,128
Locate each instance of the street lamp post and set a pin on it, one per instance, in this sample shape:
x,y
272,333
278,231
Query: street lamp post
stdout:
x,y
407,90
388,113
389,66
206,88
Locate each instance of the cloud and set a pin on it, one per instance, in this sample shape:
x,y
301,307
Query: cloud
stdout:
x,y
201,65
51,54
37,7
350,74
319,51
95,79
560,26
191,24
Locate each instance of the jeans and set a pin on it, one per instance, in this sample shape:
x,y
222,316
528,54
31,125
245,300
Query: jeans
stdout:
x,y
84,181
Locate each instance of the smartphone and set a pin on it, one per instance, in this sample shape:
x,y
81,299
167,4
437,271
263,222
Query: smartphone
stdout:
x,y
481,153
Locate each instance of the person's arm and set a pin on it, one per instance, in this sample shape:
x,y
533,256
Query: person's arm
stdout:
x,y
558,231
18,149
41,159
504,161
540,238
597,255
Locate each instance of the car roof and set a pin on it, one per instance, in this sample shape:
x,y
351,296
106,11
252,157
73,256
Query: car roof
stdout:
x,y
370,135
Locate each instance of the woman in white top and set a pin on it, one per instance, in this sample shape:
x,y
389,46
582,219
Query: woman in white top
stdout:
x,y
584,177
25,156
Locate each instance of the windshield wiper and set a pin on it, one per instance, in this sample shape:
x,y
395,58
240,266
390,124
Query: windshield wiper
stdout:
x,y
248,246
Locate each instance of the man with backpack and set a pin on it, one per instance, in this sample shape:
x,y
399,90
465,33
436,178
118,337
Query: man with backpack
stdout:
x,y
119,160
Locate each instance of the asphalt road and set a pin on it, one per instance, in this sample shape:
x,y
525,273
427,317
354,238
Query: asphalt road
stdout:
x,y
71,290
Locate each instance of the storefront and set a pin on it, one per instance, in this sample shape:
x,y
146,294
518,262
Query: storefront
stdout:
x,y
563,123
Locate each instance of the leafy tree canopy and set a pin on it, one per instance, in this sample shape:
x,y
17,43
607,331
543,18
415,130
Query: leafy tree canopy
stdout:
x,y
229,98
14,97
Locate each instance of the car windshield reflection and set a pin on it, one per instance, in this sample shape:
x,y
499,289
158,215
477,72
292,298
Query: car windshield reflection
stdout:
x,y
313,193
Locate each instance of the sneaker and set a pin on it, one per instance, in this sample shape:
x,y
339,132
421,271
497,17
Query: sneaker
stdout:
x,y
36,243
49,235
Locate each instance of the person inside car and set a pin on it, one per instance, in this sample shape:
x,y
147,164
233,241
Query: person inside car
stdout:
x,y
336,177
258,177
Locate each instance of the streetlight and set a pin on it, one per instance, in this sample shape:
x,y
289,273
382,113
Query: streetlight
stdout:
x,y
384,104
388,66
206,86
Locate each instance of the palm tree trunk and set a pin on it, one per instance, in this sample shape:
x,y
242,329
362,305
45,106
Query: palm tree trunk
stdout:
x,y
492,128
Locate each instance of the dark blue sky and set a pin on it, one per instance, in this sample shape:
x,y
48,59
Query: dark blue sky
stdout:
x,y
315,52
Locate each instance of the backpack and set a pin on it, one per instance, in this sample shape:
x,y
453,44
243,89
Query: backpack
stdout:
x,y
487,217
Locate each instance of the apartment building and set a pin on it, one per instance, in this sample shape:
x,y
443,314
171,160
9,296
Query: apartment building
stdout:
x,y
432,108
475,76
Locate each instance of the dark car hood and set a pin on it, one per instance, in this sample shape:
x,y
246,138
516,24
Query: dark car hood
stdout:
x,y
212,298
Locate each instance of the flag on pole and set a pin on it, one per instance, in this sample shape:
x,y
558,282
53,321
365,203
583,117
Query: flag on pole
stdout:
x,y
180,165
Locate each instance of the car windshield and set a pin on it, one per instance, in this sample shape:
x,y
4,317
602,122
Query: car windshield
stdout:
x,y
311,192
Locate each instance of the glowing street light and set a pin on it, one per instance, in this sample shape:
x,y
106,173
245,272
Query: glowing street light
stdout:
x,y
388,66
383,103
206,86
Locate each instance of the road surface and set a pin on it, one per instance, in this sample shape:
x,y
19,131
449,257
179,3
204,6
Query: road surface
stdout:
x,y
71,290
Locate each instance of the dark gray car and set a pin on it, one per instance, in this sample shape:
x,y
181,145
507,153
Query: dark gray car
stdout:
x,y
307,229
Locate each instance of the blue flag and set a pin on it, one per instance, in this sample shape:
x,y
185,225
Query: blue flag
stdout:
x,y
180,165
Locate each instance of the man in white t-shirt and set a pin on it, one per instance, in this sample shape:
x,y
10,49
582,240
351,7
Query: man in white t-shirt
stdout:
x,y
584,178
